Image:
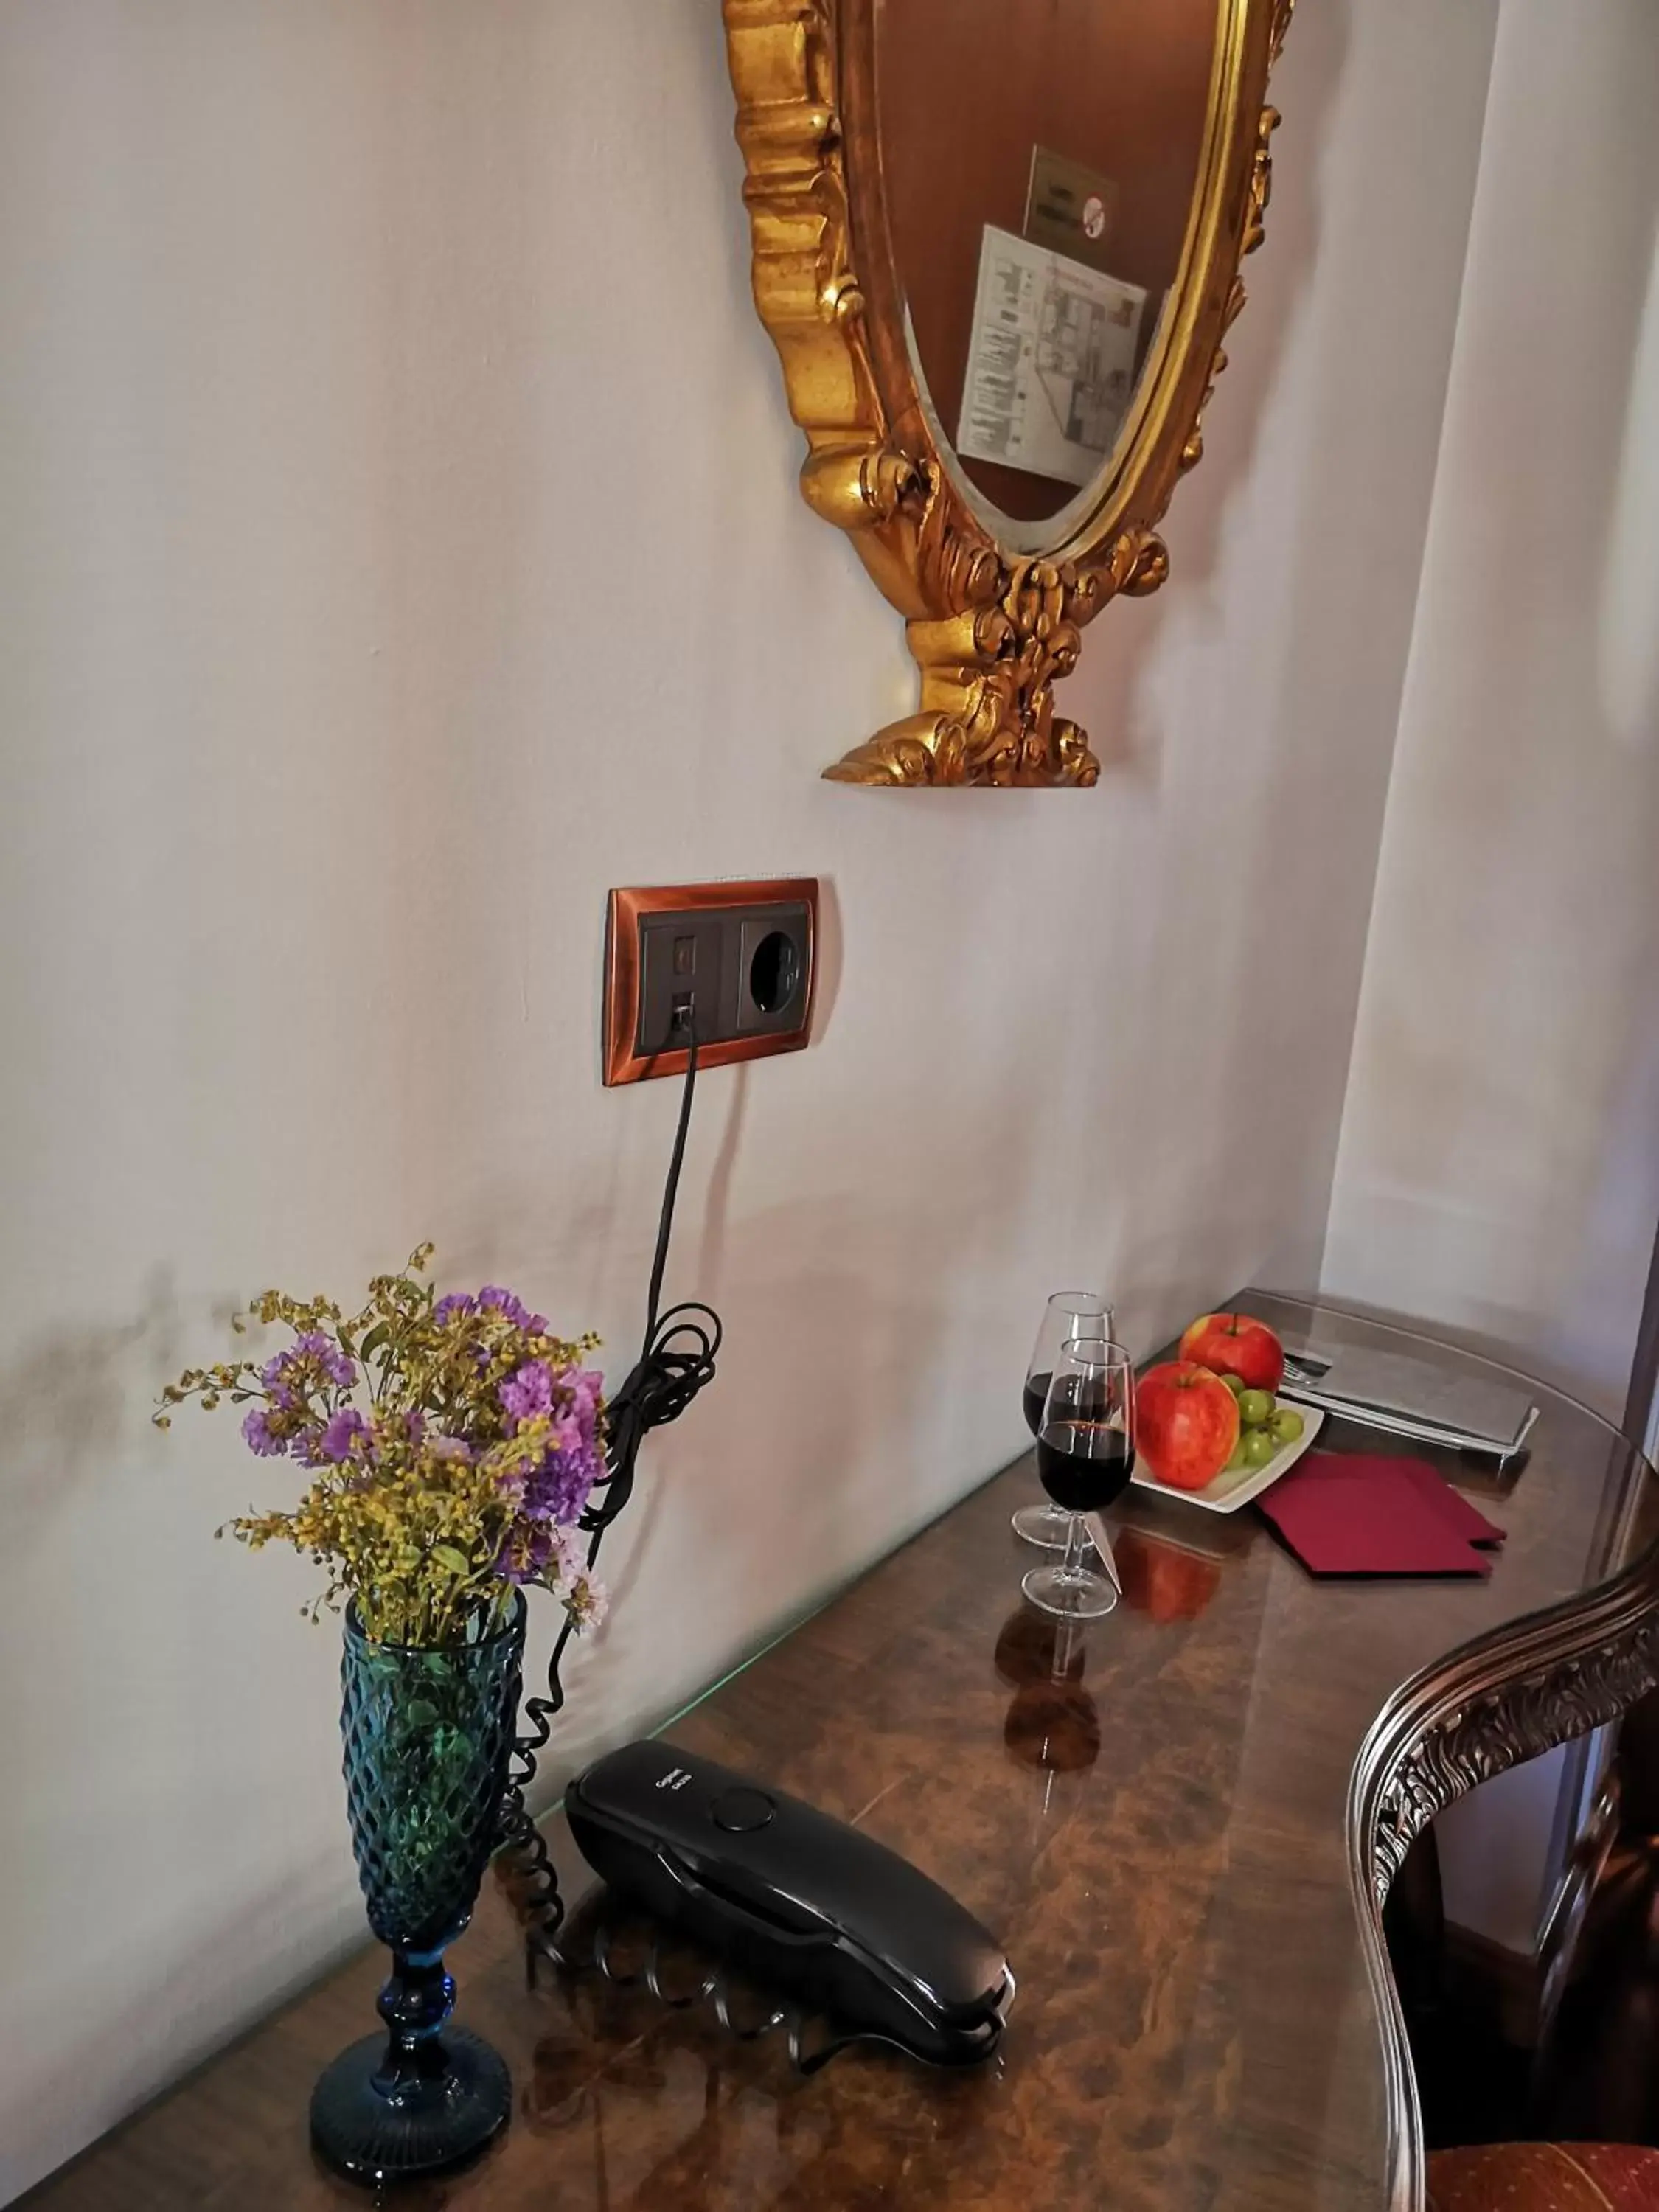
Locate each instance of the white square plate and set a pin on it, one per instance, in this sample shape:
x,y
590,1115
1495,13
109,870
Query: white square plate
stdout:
x,y
1239,1486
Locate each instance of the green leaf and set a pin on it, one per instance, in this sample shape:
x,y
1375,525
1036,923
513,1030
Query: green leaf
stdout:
x,y
457,1562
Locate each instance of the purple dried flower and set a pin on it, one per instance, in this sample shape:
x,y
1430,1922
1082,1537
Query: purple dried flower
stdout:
x,y
512,1308
457,1302
335,1443
523,1557
530,1392
558,1489
315,1344
258,1436
572,1485
570,1549
587,1602
406,1426
542,1551
313,1347
576,1425
452,1448
585,1385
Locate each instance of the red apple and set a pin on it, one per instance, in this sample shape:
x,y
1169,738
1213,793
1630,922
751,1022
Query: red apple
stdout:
x,y
1236,1344
1186,1423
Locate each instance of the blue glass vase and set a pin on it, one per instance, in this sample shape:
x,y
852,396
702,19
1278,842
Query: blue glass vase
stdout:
x,y
427,1734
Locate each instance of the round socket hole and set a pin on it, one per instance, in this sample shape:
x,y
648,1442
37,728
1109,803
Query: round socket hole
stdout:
x,y
774,972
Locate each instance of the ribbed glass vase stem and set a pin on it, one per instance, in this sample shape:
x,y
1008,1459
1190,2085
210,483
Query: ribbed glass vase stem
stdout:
x,y
427,1734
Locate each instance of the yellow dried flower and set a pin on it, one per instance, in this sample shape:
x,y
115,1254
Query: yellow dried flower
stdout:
x,y
463,1474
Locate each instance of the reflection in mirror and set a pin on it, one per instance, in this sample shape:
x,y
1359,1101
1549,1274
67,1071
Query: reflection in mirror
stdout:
x,y
1108,165
1041,161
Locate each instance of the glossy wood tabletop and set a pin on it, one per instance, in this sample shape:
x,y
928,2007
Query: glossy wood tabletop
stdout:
x,y
1153,1824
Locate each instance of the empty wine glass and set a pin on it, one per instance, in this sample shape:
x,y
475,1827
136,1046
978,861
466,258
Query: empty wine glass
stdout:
x,y
1085,1452
1068,1315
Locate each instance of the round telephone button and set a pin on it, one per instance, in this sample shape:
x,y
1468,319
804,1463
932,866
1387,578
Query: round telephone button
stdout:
x,y
739,1811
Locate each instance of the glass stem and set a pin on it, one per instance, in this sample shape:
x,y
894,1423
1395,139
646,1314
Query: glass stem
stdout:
x,y
1076,1536
415,2000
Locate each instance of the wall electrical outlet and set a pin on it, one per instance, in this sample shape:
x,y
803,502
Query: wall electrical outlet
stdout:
x,y
735,960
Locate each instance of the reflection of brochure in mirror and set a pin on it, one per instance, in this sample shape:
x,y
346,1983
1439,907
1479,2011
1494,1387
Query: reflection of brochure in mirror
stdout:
x,y
1051,362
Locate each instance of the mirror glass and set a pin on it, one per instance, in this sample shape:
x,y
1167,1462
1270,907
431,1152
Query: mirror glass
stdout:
x,y
1041,159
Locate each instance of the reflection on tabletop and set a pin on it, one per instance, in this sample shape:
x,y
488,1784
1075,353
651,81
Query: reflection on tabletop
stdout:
x,y
1167,1582
665,2095
1052,1722
650,2034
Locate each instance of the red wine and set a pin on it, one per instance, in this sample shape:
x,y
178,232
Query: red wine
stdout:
x,y
1037,1397
1085,1465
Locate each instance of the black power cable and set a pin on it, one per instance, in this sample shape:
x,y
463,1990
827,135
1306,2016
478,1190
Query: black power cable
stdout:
x,y
676,1358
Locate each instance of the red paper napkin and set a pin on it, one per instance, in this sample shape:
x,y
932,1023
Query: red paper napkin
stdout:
x,y
1350,1514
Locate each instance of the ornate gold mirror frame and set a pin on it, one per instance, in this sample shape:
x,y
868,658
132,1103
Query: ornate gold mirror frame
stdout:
x,y
990,629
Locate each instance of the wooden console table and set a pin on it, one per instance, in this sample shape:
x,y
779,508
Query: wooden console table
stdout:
x,y
1182,1839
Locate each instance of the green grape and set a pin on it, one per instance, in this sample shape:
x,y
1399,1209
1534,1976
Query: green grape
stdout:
x,y
1288,1425
1259,1445
1255,1408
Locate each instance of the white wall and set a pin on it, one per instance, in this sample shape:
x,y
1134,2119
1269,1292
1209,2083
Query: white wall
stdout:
x,y
399,546
1500,1165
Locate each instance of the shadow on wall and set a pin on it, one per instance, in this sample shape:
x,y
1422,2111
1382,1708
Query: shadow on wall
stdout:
x,y
1628,692
1613,662
1123,650
1155,677
1628,631
782,1460
65,1405
1499,1168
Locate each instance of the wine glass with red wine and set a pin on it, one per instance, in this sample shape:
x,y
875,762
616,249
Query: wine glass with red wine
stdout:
x,y
1069,1315
1086,1454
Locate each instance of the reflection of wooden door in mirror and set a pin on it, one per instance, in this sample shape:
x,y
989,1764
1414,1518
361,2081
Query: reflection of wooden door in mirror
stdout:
x,y
1012,227
1120,88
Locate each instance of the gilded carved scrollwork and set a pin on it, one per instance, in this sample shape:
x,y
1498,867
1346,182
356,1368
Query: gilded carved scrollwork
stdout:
x,y
989,674
991,631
